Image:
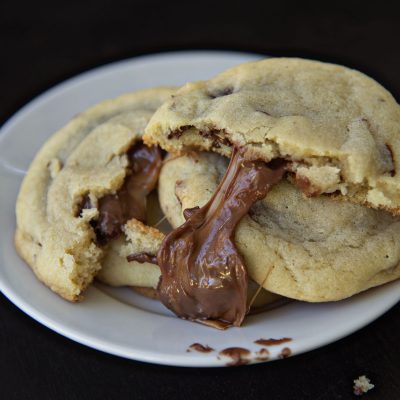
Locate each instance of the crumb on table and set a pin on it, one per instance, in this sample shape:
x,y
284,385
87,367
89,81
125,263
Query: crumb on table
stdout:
x,y
362,385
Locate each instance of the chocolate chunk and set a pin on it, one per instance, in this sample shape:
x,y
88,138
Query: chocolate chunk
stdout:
x,y
203,275
142,257
130,201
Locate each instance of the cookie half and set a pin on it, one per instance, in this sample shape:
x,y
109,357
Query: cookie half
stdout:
x,y
60,198
339,128
307,249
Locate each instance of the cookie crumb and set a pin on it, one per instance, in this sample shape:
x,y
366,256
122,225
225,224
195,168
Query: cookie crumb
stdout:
x,y
362,385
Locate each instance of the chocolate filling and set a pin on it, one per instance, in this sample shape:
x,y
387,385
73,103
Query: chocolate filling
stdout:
x,y
130,200
304,184
203,276
142,258
201,348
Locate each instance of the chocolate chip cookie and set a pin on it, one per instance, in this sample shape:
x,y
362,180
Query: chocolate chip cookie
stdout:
x,y
86,191
313,249
338,128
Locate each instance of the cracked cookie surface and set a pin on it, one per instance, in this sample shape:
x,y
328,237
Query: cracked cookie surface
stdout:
x,y
84,160
340,128
315,249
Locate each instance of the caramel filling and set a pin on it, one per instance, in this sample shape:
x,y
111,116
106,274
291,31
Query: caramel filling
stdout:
x,y
203,276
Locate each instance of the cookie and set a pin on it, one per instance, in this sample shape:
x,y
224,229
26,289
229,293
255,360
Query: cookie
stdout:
x,y
118,271
68,210
311,249
339,129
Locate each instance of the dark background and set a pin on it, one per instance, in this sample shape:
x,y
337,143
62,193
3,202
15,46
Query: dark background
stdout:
x,y
43,43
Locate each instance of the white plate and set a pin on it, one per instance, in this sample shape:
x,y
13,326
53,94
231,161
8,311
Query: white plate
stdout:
x,y
118,321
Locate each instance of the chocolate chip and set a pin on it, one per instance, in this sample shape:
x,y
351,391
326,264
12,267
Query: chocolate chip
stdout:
x,y
142,257
263,112
177,133
392,172
209,133
238,355
221,92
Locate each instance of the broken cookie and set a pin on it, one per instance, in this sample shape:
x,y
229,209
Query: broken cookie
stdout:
x,y
310,249
338,128
84,185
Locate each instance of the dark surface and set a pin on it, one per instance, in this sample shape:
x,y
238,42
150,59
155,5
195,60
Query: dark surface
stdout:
x,y
43,43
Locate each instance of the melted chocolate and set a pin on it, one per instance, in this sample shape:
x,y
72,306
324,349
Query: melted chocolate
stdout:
x,y
272,342
142,258
203,277
269,306
188,212
85,204
239,356
285,353
262,355
130,201
304,184
392,172
221,92
200,348
177,133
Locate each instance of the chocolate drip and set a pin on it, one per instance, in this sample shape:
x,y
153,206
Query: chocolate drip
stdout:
x,y
142,258
188,212
238,355
201,348
130,201
272,342
203,275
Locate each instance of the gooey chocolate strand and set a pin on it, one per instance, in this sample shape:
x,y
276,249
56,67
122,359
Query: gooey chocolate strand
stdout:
x,y
130,200
203,277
